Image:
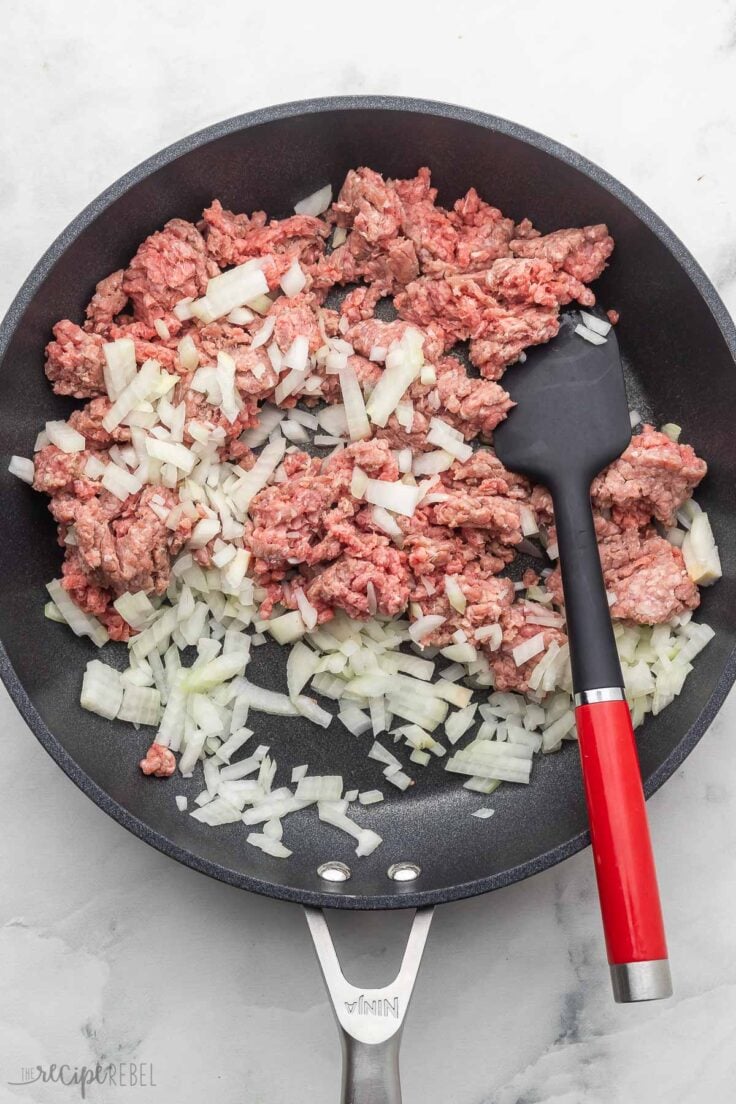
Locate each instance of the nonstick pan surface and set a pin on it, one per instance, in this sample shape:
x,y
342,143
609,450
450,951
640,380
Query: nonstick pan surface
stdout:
x,y
679,344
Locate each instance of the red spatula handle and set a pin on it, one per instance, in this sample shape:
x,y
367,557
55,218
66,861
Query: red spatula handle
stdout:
x,y
622,849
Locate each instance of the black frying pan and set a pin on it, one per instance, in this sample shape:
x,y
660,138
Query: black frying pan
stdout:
x,y
679,344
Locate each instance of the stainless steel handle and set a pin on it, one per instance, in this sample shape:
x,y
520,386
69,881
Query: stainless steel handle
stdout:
x,y
370,1021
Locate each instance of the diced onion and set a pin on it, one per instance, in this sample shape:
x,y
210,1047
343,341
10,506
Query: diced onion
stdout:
x,y
102,690
424,626
65,437
294,280
402,368
188,354
394,496
120,366
235,288
445,437
316,203
600,326
120,482
525,651
700,552
454,593
81,623
355,410
256,479
22,468
590,335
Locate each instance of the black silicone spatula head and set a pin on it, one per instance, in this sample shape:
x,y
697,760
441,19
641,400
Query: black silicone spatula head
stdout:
x,y
572,417
571,420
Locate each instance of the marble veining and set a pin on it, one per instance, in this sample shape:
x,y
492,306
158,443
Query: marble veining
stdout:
x,y
110,952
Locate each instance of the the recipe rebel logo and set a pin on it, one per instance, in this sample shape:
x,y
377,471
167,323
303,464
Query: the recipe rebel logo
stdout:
x,y
121,1075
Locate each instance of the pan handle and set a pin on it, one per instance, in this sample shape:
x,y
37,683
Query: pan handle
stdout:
x,y
370,1021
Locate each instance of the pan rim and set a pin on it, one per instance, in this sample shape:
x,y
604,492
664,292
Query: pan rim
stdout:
x,y
339,899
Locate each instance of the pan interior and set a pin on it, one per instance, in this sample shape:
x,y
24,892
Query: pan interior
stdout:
x,y
679,367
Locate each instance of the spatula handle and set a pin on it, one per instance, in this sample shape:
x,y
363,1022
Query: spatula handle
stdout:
x,y
622,850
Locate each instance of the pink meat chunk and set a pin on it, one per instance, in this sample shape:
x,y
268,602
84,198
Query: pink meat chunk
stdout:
x,y
124,546
56,472
368,205
199,410
296,318
486,472
502,311
580,252
159,761
472,509
364,336
254,373
645,572
233,239
482,494
170,265
508,335
487,596
434,550
483,234
516,629
88,422
74,361
344,584
108,301
426,225
652,478
293,522
472,406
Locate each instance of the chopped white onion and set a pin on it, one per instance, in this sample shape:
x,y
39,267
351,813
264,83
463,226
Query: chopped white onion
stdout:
x,y
355,410
294,280
22,468
394,496
316,203
601,326
120,366
590,335
65,437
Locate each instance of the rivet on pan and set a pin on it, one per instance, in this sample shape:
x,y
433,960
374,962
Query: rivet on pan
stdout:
x,y
334,871
404,872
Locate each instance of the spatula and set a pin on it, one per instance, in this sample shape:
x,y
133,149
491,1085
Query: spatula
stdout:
x,y
570,422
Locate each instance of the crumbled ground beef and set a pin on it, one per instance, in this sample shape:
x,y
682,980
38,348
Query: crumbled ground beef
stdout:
x,y
462,274
645,572
487,596
108,301
170,265
516,629
652,479
159,761
233,239
74,361
88,422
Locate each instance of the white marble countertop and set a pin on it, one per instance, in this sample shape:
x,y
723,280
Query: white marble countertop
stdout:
x,y
513,1004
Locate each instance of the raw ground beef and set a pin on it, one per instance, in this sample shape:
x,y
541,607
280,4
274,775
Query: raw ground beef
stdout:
x,y
233,239
108,301
487,596
74,361
159,761
652,479
517,629
467,273
170,265
645,572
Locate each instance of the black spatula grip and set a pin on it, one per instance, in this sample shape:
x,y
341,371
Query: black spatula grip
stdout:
x,y
593,654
